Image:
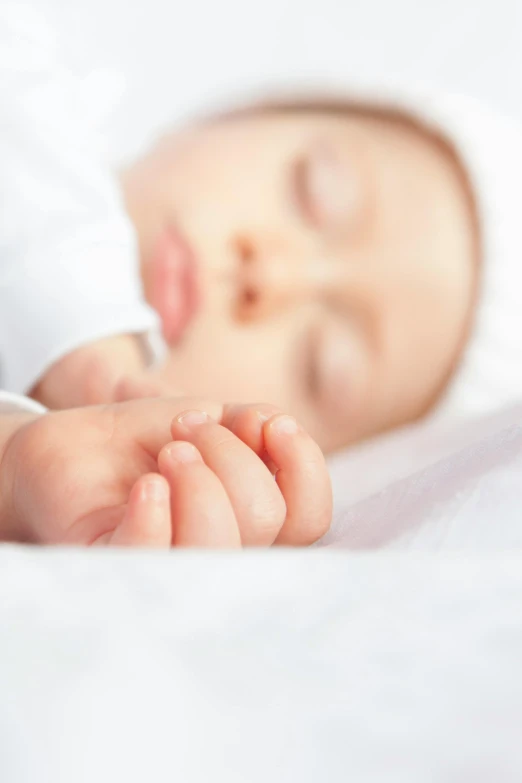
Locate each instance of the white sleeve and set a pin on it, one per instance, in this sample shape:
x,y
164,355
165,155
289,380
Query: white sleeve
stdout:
x,y
68,258
9,403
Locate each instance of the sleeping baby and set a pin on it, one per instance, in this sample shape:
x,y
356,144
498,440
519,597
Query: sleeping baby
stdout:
x,y
349,260
353,262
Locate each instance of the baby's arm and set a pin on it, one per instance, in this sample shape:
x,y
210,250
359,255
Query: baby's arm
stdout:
x,y
91,375
161,472
68,262
10,423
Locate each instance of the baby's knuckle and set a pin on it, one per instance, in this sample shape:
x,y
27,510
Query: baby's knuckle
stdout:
x,y
268,512
223,444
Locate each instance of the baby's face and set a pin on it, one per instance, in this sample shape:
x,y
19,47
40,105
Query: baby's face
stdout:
x,y
326,264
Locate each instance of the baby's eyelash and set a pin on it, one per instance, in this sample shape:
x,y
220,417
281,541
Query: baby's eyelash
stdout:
x,y
301,190
312,375
312,379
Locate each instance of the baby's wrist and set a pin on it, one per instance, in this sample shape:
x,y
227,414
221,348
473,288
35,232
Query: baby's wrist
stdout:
x,y
10,425
88,375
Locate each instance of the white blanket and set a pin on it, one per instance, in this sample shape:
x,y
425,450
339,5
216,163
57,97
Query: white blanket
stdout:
x,y
429,489
282,666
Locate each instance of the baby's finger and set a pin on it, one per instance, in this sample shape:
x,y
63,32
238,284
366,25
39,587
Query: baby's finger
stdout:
x,y
303,479
247,421
202,514
149,424
257,502
146,522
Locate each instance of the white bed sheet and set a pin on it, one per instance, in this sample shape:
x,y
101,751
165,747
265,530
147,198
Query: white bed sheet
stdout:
x,y
281,667
426,488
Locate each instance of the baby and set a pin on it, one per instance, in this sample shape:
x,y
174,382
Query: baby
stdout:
x,y
354,263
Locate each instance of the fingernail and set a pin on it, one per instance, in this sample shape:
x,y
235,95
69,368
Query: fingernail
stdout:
x,y
155,490
193,418
233,412
179,451
285,425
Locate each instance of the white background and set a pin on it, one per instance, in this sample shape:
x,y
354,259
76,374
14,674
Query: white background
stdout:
x,y
176,55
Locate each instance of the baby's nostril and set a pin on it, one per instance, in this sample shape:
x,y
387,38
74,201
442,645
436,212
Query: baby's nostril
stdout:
x,y
247,303
245,250
250,296
248,291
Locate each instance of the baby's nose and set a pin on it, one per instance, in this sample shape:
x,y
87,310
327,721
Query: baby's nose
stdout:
x,y
273,279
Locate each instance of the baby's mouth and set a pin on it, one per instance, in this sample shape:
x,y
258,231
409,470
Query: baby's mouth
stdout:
x,y
174,290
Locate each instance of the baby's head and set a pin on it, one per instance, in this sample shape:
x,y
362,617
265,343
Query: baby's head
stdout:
x,y
326,261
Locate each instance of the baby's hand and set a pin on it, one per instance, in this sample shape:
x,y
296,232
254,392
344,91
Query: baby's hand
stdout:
x,y
128,474
238,459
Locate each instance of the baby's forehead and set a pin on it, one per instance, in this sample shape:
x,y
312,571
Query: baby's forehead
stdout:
x,y
256,120
315,117
313,107
269,110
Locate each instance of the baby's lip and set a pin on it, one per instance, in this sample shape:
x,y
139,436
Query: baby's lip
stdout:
x,y
175,293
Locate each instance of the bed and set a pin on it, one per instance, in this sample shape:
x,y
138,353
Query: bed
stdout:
x,y
324,664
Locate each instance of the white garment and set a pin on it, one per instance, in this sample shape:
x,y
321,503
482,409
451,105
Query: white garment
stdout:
x,y
68,259
15,402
